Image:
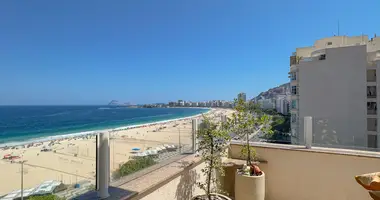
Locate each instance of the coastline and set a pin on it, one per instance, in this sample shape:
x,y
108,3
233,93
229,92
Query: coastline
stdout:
x,y
74,135
71,159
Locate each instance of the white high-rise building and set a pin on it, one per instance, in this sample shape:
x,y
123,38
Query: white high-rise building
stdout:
x,y
335,82
282,105
181,103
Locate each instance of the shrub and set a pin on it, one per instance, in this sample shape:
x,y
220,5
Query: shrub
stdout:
x,y
133,166
45,197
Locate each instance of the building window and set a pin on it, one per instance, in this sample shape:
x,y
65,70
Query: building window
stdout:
x,y
293,76
372,141
322,57
294,90
294,104
371,75
329,43
294,118
371,124
371,92
371,108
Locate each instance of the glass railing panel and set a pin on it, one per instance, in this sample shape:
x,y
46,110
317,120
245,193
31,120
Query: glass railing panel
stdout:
x,y
136,148
337,133
63,167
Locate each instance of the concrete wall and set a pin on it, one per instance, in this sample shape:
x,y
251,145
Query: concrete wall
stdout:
x,y
333,92
299,174
374,44
182,187
292,173
336,41
304,51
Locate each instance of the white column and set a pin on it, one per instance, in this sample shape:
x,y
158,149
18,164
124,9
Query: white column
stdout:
x,y
308,131
194,135
103,164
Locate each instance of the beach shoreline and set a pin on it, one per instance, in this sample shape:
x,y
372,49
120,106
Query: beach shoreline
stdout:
x,y
93,132
72,159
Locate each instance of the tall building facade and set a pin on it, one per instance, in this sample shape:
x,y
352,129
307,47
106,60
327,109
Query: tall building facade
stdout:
x,y
267,103
335,82
243,96
282,105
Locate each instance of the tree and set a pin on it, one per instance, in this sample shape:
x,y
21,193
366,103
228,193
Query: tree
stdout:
x,y
213,139
253,108
244,123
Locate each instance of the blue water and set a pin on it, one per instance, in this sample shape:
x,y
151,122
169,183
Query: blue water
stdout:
x,y
21,123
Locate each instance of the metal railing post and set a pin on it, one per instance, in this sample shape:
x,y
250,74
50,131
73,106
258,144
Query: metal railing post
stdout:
x,y
194,135
103,164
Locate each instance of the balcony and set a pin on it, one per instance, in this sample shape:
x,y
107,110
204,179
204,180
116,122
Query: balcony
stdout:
x,y
293,172
306,59
374,56
313,58
318,52
290,174
294,105
293,76
293,60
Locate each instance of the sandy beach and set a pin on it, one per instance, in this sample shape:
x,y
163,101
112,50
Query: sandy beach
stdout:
x,y
72,159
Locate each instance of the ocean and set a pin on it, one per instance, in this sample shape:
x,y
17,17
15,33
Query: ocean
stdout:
x,y
24,123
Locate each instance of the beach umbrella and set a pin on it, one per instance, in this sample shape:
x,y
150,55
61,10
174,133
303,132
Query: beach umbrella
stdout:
x,y
135,149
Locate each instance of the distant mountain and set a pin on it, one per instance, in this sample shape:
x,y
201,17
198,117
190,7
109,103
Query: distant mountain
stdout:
x,y
117,103
283,89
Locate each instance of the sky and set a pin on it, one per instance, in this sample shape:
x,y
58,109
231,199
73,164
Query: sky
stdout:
x,y
149,51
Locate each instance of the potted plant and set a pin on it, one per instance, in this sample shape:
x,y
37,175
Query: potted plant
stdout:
x,y
213,139
298,59
249,179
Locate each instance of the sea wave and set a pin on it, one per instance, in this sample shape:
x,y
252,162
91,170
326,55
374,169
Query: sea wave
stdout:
x,y
104,108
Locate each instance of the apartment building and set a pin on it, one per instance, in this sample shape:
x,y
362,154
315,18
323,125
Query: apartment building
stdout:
x,y
267,103
334,81
282,104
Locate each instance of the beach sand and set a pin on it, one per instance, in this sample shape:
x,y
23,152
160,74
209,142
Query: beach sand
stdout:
x,y
72,160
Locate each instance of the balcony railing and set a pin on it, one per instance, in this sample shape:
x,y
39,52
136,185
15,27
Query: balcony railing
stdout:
x,y
64,167
176,177
302,160
68,165
274,159
306,59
